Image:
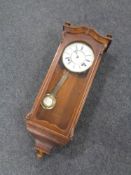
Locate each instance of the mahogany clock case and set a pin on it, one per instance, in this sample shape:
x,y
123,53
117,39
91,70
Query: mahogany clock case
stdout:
x,y
56,126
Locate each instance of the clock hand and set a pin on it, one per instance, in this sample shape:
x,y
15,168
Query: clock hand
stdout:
x,y
49,99
76,49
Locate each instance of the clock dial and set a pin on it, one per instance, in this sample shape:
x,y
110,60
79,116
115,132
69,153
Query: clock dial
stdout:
x,y
78,57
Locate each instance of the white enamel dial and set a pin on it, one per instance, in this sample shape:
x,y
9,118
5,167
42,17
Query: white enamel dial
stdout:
x,y
78,57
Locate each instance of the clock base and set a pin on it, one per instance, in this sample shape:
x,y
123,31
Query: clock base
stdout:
x,y
45,139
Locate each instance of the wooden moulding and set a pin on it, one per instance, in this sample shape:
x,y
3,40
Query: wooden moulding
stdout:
x,y
56,126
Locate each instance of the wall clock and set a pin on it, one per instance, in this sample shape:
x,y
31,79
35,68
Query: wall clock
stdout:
x,y
60,100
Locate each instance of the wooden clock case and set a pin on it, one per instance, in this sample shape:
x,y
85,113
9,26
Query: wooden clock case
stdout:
x,y
56,126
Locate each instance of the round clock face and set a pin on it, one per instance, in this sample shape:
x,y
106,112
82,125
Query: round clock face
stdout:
x,y
78,57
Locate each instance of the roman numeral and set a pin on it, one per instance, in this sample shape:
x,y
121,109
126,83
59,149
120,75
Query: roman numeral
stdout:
x,y
83,64
87,60
68,58
81,48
